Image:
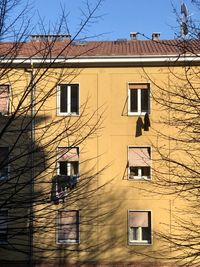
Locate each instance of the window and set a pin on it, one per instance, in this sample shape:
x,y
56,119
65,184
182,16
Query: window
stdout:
x,y
138,99
3,226
67,170
139,163
139,224
68,99
4,151
68,161
4,99
68,227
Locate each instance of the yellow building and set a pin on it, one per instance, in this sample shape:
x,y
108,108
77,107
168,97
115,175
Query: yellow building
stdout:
x,y
83,136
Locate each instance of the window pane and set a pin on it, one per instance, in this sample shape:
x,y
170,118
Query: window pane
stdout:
x,y
146,234
68,168
63,168
133,233
4,151
4,173
133,171
63,98
146,171
74,98
3,238
133,100
144,100
74,168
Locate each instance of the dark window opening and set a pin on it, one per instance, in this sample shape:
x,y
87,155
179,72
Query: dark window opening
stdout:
x,y
74,98
144,100
63,98
133,100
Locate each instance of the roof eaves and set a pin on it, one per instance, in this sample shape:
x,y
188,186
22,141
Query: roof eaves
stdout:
x,y
119,59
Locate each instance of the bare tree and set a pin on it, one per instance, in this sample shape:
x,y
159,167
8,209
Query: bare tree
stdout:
x,y
176,158
40,142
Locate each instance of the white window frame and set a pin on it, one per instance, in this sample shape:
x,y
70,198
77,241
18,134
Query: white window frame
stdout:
x,y
139,112
68,113
140,241
139,176
8,166
5,242
68,168
70,241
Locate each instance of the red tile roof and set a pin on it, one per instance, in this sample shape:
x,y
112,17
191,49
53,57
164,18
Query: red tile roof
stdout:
x,y
100,48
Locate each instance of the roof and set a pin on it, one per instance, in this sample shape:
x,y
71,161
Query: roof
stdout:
x,y
119,48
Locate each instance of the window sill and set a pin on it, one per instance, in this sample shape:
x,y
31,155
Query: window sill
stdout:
x,y
68,114
133,178
137,113
140,243
4,115
67,242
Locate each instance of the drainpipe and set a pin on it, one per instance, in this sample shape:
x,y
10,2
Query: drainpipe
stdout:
x,y
32,174
32,162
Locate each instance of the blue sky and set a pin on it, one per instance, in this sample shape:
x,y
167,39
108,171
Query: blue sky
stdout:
x,y
117,18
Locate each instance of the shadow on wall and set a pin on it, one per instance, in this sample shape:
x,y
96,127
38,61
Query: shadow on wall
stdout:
x,y
25,162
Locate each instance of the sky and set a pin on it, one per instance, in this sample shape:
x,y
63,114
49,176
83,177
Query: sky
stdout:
x,y
115,19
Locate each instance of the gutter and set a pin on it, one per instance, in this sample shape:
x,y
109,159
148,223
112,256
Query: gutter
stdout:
x,y
106,60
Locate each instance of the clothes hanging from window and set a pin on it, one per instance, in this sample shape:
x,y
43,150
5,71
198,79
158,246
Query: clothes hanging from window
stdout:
x,y
146,122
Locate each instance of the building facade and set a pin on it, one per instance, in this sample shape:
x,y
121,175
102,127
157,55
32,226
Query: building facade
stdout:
x,y
83,139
